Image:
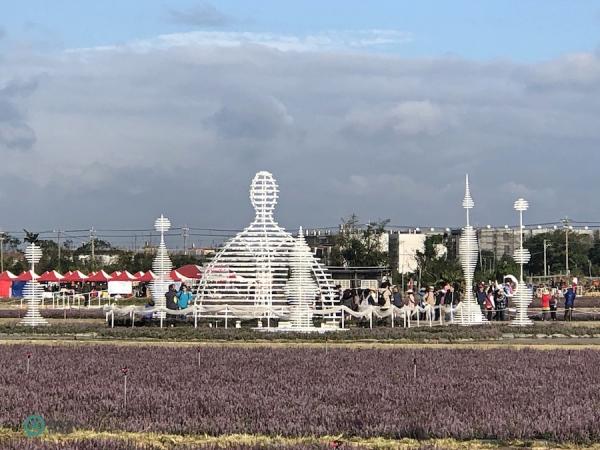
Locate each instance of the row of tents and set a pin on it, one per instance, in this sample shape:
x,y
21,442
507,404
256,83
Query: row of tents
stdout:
x,y
9,281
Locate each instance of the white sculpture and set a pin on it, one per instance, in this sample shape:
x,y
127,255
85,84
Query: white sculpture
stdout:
x,y
33,290
469,312
162,267
302,290
522,295
251,271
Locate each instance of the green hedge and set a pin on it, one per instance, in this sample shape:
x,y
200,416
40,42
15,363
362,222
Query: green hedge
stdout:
x,y
185,332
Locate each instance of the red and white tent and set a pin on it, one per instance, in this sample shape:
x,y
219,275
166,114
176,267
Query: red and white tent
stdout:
x,y
28,276
176,276
99,276
122,276
8,276
145,277
51,276
191,271
75,276
6,281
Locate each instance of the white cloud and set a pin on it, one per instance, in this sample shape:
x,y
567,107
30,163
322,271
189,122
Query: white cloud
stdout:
x,y
121,135
324,41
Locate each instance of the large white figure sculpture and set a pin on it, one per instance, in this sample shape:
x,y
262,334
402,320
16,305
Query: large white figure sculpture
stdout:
x,y
302,290
469,312
523,295
251,271
162,267
33,290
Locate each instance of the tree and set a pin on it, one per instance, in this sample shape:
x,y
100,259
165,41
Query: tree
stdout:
x,y
580,249
357,246
435,266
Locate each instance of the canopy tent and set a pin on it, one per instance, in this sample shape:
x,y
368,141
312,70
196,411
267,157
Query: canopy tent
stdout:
x,y
74,277
191,271
6,282
100,276
121,283
7,276
28,276
146,277
176,276
122,276
51,276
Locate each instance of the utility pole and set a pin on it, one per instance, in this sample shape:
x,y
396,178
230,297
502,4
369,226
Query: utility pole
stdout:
x,y
566,221
92,236
545,259
186,232
58,231
1,251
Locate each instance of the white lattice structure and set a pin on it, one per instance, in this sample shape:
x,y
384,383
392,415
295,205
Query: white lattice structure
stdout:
x,y
251,271
469,312
302,290
522,296
33,290
161,266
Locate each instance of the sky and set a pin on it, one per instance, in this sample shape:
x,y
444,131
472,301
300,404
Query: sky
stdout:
x,y
114,112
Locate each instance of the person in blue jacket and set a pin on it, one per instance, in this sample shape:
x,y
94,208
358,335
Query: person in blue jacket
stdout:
x,y
569,303
184,297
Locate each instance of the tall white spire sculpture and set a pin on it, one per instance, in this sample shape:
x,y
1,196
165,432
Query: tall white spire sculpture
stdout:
x,y
302,290
469,312
33,290
251,270
162,267
522,296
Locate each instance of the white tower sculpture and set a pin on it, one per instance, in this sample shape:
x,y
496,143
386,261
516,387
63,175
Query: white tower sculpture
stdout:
x,y
251,270
469,312
162,267
302,290
33,290
522,295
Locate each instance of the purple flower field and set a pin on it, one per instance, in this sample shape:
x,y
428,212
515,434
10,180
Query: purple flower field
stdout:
x,y
118,444
463,394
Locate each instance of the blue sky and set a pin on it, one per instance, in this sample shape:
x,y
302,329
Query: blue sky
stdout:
x,y
523,30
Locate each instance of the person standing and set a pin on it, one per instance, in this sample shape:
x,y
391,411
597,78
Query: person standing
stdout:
x,y
554,303
545,301
481,296
500,304
489,303
184,297
171,297
397,297
569,304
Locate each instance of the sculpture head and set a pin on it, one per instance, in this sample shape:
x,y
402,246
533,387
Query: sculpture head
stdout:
x,y
263,193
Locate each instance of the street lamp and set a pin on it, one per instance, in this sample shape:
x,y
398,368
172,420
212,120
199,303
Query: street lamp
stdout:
x,y
546,245
1,251
566,223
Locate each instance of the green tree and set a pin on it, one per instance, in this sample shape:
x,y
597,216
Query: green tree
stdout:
x,y
580,249
357,246
434,265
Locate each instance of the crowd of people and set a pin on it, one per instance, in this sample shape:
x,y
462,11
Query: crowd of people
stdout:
x,y
494,298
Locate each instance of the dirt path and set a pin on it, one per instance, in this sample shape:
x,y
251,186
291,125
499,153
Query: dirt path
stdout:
x,y
538,344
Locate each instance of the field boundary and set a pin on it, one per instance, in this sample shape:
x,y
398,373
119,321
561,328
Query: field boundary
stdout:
x,y
161,441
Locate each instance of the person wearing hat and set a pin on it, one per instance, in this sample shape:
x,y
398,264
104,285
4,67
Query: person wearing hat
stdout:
x,y
545,301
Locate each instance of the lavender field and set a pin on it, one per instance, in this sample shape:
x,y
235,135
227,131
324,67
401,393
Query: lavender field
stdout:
x,y
118,444
463,394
